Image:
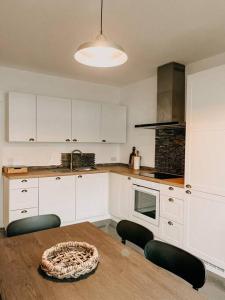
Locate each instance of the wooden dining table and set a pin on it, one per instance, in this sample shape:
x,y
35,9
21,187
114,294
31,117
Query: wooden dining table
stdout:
x,y
122,273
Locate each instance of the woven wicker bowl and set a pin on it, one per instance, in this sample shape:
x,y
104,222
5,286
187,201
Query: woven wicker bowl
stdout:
x,y
69,260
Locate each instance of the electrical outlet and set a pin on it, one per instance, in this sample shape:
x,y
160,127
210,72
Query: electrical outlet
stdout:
x,y
113,159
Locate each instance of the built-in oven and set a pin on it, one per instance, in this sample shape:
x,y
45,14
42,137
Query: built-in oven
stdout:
x,y
146,204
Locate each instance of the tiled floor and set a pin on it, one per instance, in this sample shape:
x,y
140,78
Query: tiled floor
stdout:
x,y
214,288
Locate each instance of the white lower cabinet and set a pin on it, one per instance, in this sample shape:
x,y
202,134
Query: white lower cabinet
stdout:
x,y
22,213
205,228
23,198
171,229
120,196
91,196
172,208
20,199
57,196
171,232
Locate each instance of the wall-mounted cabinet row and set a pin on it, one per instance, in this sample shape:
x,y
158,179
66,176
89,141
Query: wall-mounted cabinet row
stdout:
x,y
34,118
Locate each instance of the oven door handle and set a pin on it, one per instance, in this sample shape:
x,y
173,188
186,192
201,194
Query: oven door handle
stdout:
x,y
141,188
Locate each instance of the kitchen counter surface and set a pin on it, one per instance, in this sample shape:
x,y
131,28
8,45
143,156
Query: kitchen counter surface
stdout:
x,y
122,170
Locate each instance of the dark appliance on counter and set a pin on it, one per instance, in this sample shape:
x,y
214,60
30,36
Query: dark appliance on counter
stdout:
x,y
159,175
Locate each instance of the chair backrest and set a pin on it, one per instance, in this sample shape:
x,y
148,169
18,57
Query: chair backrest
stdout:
x,y
32,224
177,261
135,233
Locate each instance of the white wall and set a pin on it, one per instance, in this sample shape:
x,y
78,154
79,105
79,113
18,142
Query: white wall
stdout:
x,y
206,63
49,153
141,101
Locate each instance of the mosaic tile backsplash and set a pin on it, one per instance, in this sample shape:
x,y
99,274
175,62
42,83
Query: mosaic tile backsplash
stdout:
x,y
170,150
79,160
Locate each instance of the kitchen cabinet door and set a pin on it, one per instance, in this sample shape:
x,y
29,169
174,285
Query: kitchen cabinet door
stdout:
x,y
57,196
120,200
205,227
205,99
114,195
205,138
205,161
91,196
113,123
171,232
53,119
85,121
21,117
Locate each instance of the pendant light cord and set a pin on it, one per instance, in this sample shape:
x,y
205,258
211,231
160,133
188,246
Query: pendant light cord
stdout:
x,y
101,15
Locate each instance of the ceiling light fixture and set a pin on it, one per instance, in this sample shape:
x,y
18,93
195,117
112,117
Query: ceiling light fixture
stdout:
x,y
101,52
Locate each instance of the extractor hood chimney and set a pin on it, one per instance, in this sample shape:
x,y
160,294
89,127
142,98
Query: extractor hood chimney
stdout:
x,y
170,97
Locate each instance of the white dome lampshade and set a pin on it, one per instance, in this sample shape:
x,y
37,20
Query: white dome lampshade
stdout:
x,y
101,53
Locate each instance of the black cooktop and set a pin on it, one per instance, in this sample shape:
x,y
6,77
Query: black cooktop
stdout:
x,y
160,175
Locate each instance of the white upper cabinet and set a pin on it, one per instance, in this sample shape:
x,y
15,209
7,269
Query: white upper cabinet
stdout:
x,y
85,121
113,123
206,99
21,117
53,119
205,143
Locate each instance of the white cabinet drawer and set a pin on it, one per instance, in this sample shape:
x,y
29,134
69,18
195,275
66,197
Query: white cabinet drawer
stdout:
x,y
23,183
23,213
23,198
171,232
172,191
56,179
172,208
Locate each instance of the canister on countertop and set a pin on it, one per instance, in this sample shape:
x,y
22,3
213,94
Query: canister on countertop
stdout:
x,y
137,161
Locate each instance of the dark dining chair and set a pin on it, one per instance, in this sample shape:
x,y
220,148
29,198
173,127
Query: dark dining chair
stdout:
x,y
177,261
134,233
32,224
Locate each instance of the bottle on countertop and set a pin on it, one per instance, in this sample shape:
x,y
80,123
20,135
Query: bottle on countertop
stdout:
x,y
131,158
137,161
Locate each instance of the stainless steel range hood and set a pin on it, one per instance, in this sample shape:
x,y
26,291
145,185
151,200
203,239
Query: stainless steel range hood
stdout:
x,y
170,97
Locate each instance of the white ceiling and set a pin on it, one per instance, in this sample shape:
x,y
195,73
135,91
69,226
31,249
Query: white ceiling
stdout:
x,y
42,35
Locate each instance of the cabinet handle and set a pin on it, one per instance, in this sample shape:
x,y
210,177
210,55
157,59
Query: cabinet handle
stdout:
x,y
171,188
75,140
24,180
24,211
188,192
67,140
171,200
31,140
170,223
104,141
24,191
80,176
57,178
188,186
128,178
